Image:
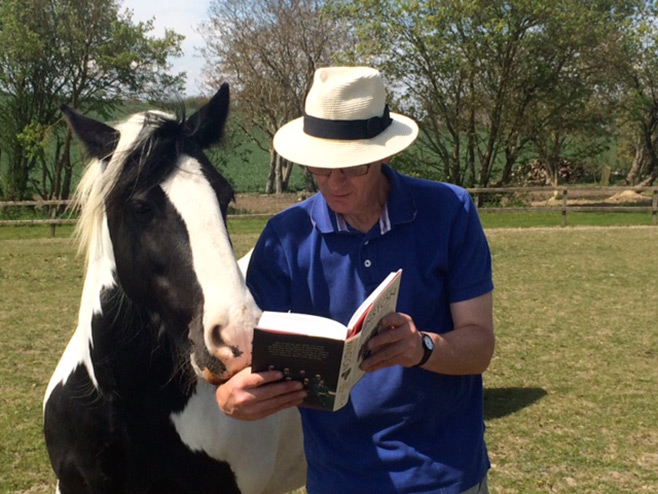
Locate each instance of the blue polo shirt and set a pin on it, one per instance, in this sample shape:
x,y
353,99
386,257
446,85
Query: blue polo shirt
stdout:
x,y
403,430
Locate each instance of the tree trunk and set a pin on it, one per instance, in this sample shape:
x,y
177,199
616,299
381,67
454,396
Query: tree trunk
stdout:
x,y
66,167
511,154
18,177
470,181
455,176
287,167
269,184
640,161
311,186
278,175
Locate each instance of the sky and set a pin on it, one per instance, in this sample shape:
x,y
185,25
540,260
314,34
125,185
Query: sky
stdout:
x,y
184,17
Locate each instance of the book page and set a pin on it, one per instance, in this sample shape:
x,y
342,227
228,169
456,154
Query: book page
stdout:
x,y
305,324
356,322
384,302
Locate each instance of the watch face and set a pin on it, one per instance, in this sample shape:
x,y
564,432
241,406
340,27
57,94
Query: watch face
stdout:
x,y
429,344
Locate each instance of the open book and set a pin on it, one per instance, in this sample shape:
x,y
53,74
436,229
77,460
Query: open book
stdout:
x,y
322,353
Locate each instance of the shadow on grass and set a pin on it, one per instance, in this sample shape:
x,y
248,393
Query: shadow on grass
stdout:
x,y
501,402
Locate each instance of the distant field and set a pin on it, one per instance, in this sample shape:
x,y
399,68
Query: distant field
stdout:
x,y
570,396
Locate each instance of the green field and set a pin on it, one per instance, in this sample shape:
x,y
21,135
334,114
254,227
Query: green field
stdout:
x,y
570,399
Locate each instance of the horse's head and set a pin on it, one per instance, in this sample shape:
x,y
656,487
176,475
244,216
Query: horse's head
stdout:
x,y
153,219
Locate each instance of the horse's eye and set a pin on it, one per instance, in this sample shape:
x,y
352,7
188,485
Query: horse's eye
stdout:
x,y
140,208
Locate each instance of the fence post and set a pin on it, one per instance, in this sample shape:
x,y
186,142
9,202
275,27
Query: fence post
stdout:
x,y
53,215
654,206
564,207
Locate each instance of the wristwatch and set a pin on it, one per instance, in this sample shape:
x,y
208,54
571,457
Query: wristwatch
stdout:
x,y
428,346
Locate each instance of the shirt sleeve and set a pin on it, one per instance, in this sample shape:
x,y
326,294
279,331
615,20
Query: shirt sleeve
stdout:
x,y
470,272
268,276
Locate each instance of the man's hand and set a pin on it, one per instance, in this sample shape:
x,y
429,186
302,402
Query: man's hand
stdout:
x,y
398,342
467,349
248,396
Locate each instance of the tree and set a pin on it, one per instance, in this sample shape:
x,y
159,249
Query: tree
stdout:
x,y
268,50
82,52
639,95
483,77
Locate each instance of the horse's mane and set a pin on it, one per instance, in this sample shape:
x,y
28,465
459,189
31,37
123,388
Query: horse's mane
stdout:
x,y
127,167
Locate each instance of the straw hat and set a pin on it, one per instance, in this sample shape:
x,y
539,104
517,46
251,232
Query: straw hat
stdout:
x,y
346,122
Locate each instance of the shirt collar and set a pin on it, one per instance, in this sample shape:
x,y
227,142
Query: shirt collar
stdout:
x,y
384,222
400,207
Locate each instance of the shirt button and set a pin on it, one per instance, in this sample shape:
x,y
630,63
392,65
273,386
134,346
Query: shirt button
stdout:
x,y
367,263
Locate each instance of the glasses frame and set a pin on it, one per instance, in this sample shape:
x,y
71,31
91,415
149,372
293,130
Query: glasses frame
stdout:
x,y
352,171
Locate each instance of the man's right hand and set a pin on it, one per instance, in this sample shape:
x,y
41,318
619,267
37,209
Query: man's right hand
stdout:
x,y
248,396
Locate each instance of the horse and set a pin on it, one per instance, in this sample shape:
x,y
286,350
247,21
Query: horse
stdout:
x,y
164,317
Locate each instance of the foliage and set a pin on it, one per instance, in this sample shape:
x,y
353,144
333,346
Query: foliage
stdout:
x,y
639,99
81,52
269,51
495,85
488,79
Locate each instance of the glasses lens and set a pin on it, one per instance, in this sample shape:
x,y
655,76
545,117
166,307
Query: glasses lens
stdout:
x,y
356,171
352,171
319,171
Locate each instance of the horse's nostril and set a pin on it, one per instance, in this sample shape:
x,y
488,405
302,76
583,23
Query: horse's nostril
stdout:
x,y
216,336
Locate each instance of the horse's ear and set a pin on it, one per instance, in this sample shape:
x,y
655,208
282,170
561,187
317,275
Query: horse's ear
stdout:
x,y
98,139
206,126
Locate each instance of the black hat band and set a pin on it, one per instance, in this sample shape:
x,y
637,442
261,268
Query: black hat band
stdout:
x,y
351,130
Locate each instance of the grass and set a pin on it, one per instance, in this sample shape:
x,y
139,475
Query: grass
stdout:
x,y
570,396
525,219
571,392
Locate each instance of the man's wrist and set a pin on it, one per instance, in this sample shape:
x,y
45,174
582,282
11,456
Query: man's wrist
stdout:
x,y
428,348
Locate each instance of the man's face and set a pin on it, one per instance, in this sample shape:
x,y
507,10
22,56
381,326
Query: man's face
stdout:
x,y
351,195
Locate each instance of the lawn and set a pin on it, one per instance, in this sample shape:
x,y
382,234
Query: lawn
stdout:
x,y
570,396
570,403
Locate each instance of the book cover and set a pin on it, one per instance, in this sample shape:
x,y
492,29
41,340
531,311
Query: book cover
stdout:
x,y
321,353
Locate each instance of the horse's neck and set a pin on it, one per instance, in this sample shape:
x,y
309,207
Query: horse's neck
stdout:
x,y
99,274
116,341
132,348
107,317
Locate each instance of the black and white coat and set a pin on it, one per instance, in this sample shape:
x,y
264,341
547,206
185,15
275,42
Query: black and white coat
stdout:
x,y
124,411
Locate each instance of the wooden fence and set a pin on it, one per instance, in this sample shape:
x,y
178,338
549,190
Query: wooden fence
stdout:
x,y
564,208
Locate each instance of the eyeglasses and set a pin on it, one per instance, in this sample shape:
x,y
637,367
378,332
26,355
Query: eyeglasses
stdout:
x,y
352,171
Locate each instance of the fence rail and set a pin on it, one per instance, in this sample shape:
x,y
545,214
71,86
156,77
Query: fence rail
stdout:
x,y
563,209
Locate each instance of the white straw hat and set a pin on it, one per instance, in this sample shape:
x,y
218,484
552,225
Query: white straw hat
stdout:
x,y
346,122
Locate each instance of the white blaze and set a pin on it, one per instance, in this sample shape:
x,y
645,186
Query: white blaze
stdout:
x,y
228,303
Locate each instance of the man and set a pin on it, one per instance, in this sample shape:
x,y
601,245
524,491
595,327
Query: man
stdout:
x,y
414,423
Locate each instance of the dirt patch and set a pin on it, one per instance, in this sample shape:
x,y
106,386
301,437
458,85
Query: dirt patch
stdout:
x,y
627,196
265,203
596,198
